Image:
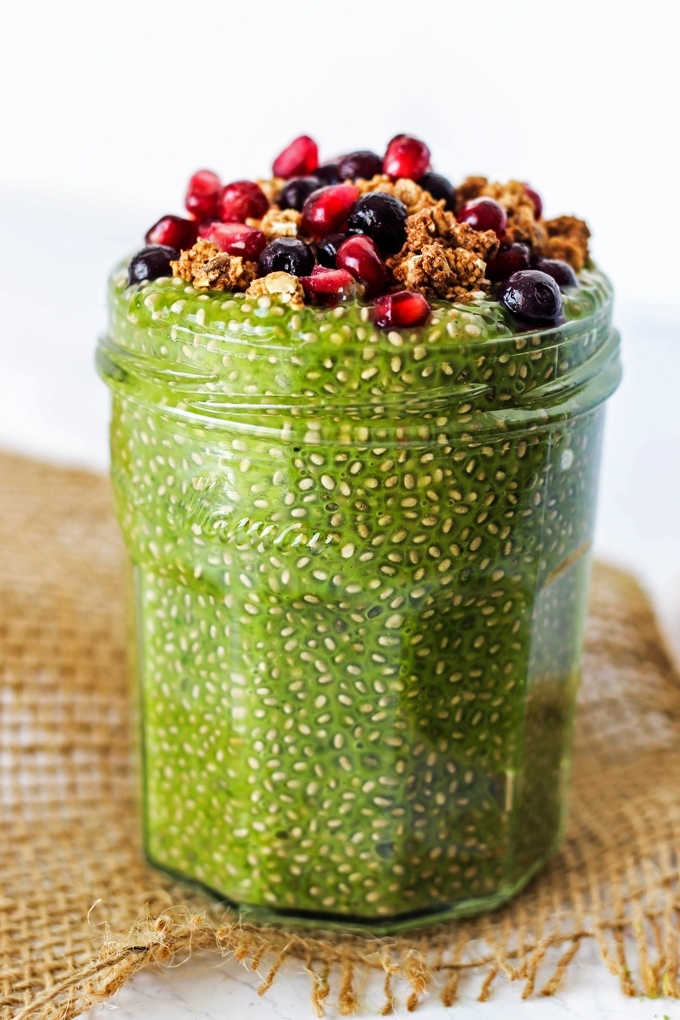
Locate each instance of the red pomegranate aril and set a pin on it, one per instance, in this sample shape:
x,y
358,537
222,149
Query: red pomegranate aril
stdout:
x,y
203,195
173,232
484,214
299,159
242,200
235,239
327,209
536,200
406,157
360,257
406,308
328,281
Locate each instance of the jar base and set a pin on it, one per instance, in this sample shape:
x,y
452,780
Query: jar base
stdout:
x,y
353,925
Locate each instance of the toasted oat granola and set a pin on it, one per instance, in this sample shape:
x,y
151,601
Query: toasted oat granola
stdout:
x,y
207,268
568,240
278,223
284,286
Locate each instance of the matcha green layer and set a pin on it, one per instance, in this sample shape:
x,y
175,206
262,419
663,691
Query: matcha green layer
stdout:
x,y
361,562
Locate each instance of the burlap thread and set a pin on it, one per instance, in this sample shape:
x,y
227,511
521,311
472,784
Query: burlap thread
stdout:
x,y
80,910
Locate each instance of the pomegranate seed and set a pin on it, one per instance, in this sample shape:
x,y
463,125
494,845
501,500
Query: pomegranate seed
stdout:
x,y
327,209
173,232
406,157
242,200
536,199
235,238
331,282
510,258
300,159
484,214
405,308
360,256
203,195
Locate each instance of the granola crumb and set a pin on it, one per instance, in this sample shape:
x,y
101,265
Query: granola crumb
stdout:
x,y
207,268
278,223
567,239
284,286
271,186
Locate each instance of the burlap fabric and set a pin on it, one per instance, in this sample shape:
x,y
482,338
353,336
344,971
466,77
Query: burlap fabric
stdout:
x,y
81,912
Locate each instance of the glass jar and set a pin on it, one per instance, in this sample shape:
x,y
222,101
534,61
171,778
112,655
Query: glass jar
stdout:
x,y
360,565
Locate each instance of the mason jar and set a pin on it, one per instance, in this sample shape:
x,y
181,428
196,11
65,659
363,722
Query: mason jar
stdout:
x,y
360,562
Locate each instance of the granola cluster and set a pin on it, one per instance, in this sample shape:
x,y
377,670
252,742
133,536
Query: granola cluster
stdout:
x,y
207,268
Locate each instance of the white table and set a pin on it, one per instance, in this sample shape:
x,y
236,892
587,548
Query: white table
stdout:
x,y
53,264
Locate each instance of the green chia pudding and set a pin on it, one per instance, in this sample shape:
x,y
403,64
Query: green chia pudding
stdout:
x,y
360,535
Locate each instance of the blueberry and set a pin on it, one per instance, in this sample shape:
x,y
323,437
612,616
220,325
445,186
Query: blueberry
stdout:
x,y
151,262
327,174
381,217
328,249
532,297
286,255
359,164
296,191
561,272
439,187
509,259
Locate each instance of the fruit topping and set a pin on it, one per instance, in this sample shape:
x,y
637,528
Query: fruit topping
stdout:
x,y
406,157
242,200
535,200
150,263
327,209
484,214
327,250
173,232
561,272
381,217
286,255
439,187
296,192
363,164
532,297
328,173
360,257
405,308
509,259
203,195
234,238
328,282
299,159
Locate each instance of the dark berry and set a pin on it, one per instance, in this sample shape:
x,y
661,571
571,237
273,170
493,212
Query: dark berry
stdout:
x,y
203,195
327,250
242,200
561,272
151,262
360,257
295,193
328,282
327,209
484,214
381,217
359,164
532,297
299,159
536,200
406,157
286,255
173,232
405,308
328,173
509,259
439,187
235,238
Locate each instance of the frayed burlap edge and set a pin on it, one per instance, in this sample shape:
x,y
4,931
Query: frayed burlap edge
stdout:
x,y
82,913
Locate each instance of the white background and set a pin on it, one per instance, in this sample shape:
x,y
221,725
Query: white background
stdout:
x,y
106,109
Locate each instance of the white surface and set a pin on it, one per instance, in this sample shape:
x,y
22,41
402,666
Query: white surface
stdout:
x,y
128,99
53,405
